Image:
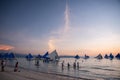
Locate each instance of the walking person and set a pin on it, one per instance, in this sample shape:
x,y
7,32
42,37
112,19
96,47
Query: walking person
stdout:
x,y
16,67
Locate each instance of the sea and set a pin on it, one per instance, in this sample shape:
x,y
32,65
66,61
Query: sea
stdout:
x,y
92,68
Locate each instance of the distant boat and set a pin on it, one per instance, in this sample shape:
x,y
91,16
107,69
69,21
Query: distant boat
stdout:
x,y
111,56
39,56
29,57
77,57
118,56
86,56
7,56
3,55
46,56
106,56
99,56
11,56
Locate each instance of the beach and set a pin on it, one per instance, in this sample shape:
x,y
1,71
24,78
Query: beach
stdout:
x,y
9,74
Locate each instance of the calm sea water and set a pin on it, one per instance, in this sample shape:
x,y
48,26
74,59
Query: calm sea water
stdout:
x,y
92,68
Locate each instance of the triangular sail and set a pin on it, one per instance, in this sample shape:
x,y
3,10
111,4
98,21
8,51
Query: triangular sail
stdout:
x,y
54,55
46,55
77,57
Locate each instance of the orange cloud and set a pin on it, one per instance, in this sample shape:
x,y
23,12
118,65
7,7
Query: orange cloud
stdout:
x,y
6,47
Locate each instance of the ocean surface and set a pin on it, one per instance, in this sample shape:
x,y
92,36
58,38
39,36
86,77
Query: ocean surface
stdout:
x,y
91,68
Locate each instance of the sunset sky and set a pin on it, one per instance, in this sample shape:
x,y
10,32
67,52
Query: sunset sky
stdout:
x,y
71,27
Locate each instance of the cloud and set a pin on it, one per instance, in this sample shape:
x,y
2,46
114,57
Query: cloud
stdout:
x,y
5,47
67,18
51,44
60,34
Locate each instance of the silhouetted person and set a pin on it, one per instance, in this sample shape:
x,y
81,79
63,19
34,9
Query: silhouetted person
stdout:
x,y
78,65
16,67
2,65
74,65
37,63
62,65
68,65
82,61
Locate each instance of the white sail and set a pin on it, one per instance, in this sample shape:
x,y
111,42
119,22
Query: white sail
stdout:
x,y
54,55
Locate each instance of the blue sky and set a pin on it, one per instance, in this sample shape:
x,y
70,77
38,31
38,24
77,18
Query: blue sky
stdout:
x,y
71,27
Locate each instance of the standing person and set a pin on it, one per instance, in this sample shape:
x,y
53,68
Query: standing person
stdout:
x,y
62,65
74,65
2,65
78,65
16,67
68,66
37,62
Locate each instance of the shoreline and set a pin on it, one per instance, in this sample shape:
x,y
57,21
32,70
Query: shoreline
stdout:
x,y
24,74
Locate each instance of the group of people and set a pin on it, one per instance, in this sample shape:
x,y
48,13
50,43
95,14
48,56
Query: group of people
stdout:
x,y
3,64
75,65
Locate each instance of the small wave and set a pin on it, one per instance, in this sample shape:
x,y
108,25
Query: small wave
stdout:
x,y
112,79
84,70
103,69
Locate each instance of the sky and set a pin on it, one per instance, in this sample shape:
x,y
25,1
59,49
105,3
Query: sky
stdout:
x,y
69,26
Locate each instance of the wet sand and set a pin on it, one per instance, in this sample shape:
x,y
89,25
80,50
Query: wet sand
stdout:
x,y
9,74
